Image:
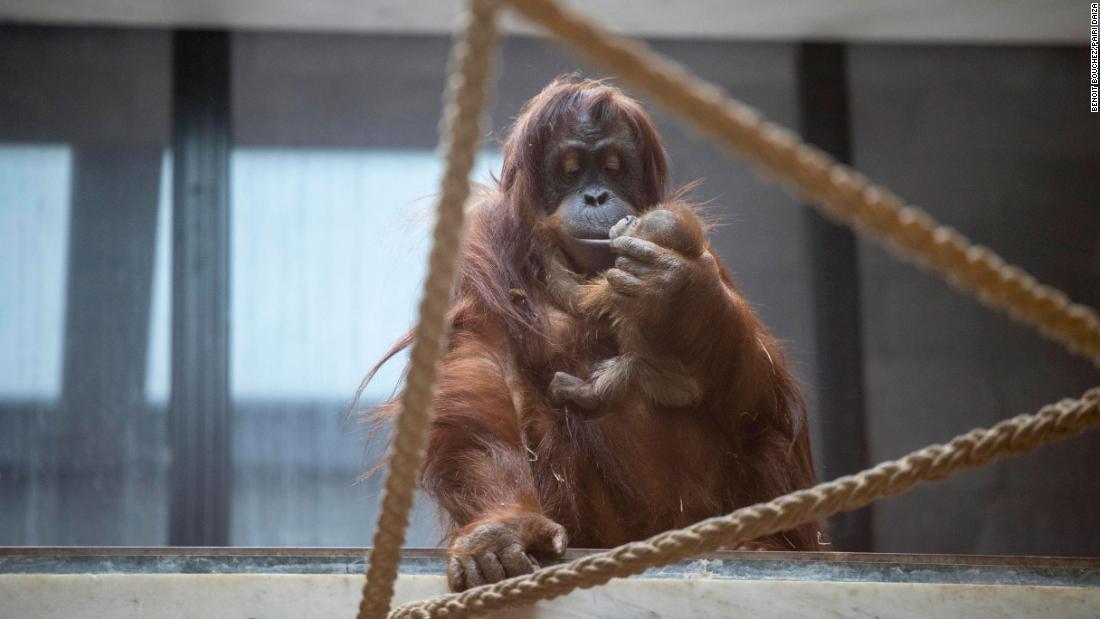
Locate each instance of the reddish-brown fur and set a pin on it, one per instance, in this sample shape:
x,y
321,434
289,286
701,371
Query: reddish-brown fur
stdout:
x,y
500,452
661,379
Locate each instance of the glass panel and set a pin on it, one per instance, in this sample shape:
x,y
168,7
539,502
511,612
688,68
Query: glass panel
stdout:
x,y
34,227
329,250
83,208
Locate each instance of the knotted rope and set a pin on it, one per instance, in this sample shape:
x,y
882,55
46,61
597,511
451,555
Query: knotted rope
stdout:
x,y
467,94
976,448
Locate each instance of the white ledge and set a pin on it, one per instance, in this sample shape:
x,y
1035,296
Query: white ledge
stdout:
x,y
133,583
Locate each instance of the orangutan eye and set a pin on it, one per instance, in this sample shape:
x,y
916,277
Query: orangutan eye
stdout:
x,y
612,164
571,162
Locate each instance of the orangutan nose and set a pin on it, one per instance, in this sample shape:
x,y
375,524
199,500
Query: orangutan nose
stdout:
x,y
596,199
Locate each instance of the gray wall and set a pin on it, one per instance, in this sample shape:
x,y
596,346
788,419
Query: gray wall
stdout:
x,y
997,142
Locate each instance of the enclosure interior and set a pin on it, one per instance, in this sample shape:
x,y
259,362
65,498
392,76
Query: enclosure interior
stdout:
x,y
331,173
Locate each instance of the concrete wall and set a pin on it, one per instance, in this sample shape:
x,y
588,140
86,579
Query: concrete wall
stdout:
x,y
997,142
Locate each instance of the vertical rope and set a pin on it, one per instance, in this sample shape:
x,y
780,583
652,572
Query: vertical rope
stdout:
x,y
467,95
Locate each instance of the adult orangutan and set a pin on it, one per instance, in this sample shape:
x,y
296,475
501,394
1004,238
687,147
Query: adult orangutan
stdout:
x,y
696,415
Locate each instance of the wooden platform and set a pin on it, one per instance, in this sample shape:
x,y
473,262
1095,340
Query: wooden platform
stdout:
x,y
276,583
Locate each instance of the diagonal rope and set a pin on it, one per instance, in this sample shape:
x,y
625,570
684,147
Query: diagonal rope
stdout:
x,y
467,97
838,191
1054,422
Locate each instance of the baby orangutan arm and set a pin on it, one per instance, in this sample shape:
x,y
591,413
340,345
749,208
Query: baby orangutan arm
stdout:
x,y
661,380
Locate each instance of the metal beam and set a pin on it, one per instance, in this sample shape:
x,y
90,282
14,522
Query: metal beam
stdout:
x,y
823,106
199,414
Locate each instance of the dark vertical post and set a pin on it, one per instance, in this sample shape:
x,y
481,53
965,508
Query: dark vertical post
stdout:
x,y
199,414
823,105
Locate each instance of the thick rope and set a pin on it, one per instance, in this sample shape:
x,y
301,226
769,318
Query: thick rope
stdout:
x,y
467,97
976,448
838,191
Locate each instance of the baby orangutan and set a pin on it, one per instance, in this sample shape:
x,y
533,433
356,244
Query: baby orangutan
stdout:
x,y
660,379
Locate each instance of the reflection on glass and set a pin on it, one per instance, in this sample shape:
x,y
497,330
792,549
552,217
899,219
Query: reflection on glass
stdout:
x,y
35,182
82,458
328,253
158,370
